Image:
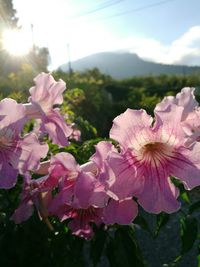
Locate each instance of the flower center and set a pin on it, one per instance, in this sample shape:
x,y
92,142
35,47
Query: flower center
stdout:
x,y
155,152
87,214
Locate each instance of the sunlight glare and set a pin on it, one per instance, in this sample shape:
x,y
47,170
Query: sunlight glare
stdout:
x,y
16,42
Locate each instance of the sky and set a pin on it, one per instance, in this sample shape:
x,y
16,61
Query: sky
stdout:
x,y
165,31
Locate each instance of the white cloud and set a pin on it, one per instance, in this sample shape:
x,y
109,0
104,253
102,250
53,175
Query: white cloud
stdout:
x,y
184,50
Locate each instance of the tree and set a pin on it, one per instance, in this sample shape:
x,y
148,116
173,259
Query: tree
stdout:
x,y
37,58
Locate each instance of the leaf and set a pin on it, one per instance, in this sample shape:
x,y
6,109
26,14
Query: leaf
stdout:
x,y
97,246
123,249
189,231
195,206
161,220
139,220
185,197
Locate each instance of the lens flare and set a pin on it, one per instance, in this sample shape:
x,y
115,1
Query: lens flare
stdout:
x,y
16,42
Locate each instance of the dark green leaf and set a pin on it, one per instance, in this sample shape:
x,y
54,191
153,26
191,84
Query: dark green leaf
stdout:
x,y
142,223
189,231
195,206
97,246
123,249
161,220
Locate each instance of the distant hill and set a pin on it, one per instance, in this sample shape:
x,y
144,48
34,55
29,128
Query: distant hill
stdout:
x,y
126,65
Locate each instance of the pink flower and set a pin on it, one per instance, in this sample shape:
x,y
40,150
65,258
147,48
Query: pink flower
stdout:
x,y
44,96
151,152
75,186
35,193
82,196
185,99
190,120
17,155
81,220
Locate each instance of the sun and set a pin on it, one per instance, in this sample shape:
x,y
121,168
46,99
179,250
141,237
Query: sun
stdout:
x,y
16,42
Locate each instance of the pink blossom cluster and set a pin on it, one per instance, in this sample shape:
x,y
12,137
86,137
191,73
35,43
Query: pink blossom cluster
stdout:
x,y
116,179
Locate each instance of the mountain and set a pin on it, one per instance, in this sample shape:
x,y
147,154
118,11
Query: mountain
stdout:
x,y
126,65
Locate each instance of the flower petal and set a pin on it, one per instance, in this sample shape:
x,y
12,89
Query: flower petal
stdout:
x,y
66,159
54,124
125,183
159,194
31,153
186,166
47,92
121,212
84,188
8,175
12,115
23,212
125,125
103,148
185,99
81,228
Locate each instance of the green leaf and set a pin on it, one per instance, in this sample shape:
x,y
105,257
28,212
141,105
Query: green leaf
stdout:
x,y
185,197
123,249
189,231
161,220
195,206
97,246
139,220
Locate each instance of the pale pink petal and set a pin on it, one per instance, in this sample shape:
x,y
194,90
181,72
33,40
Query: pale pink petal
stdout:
x,y
66,160
84,188
31,153
103,148
47,92
56,127
89,167
186,165
126,182
159,194
165,103
8,175
185,99
168,120
191,127
121,212
99,198
13,116
126,124
64,197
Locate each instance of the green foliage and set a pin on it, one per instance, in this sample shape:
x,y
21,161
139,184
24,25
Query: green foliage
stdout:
x,y
189,231
161,220
123,250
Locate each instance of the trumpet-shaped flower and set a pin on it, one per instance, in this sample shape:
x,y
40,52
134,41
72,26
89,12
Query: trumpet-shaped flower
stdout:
x,y
151,152
33,194
17,155
82,196
44,96
121,212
